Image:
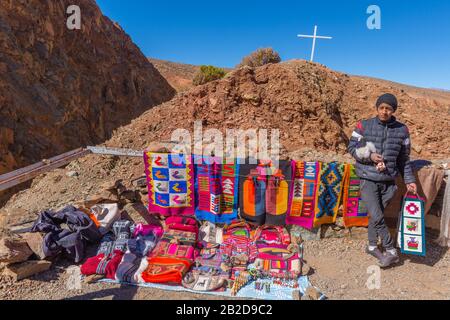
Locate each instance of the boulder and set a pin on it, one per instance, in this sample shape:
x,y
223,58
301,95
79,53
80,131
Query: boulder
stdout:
x,y
19,271
313,293
14,250
35,241
138,213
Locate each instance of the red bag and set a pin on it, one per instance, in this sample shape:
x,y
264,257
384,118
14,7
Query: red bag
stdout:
x,y
166,270
272,235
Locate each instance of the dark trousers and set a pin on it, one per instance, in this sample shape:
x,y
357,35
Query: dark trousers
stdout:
x,y
376,196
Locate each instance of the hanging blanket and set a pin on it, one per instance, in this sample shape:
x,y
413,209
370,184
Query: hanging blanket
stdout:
x,y
264,192
412,226
303,193
216,190
170,183
355,211
328,193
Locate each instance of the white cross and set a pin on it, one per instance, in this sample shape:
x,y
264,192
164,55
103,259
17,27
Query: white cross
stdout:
x,y
315,36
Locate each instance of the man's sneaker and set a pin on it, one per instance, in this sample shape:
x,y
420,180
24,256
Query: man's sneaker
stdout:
x,y
376,253
389,259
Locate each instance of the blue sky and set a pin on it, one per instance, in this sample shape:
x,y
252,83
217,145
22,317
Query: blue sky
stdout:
x,y
413,45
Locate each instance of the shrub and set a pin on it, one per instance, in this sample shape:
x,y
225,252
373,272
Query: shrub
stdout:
x,y
207,74
260,57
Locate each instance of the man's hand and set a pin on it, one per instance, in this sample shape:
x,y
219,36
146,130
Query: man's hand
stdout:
x,y
381,167
412,188
377,158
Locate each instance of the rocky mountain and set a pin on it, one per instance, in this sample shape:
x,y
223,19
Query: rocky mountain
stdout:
x,y
314,108
179,75
60,88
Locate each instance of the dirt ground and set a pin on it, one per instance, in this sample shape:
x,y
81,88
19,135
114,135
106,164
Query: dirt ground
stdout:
x,y
339,270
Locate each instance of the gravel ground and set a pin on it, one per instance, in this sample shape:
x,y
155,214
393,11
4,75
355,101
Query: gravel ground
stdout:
x,y
339,269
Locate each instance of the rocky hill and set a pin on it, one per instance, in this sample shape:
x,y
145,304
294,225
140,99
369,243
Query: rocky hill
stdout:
x,y
179,75
314,107
60,88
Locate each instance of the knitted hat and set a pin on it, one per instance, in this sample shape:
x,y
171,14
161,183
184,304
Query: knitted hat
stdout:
x,y
389,99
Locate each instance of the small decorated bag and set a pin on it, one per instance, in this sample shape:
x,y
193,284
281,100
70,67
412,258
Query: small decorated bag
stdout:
x,y
278,260
268,234
175,250
205,279
412,226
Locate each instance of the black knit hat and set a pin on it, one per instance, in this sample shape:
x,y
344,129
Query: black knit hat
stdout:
x,y
389,99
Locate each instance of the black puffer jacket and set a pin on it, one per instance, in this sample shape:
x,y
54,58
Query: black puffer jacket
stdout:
x,y
392,141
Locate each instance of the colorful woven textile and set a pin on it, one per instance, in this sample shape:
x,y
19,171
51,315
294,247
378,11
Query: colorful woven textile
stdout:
x,y
216,190
264,192
355,211
412,227
328,193
170,183
303,194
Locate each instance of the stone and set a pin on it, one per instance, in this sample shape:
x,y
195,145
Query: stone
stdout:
x,y
14,250
138,213
26,269
72,174
417,148
332,231
313,293
35,241
104,196
306,234
128,196
14,216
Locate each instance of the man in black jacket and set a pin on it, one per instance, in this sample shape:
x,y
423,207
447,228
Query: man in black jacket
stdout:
x,y
381,147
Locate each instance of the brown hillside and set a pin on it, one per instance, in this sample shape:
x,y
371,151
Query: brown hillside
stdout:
x,y
179,75
61,89
313,106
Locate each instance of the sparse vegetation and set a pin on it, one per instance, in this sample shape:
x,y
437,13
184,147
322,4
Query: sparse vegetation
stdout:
x,y
207,74
260,57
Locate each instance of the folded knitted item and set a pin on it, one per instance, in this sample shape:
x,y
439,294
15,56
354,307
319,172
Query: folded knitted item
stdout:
x,y
146,229
117,239
121,230
182,223
103,264
181,237
106,244
142,245
138,249
128,267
